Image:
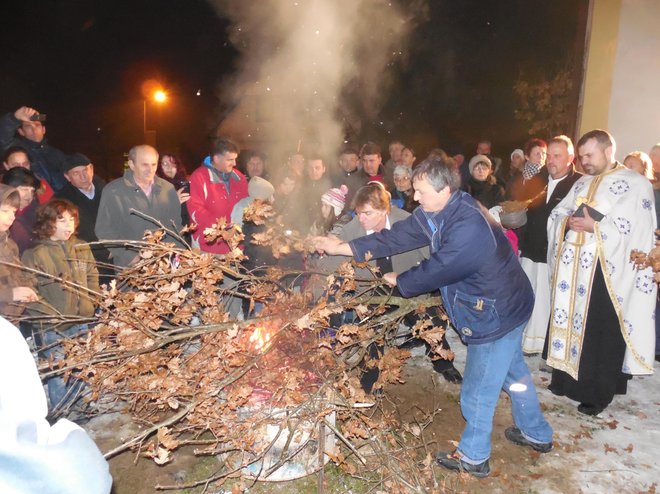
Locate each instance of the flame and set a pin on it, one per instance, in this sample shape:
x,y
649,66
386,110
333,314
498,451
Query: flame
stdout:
x,y
260,337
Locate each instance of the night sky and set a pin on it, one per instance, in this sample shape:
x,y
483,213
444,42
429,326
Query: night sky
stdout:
x,y
83,63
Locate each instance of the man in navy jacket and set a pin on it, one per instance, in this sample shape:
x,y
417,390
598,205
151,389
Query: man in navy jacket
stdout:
x,y
486,295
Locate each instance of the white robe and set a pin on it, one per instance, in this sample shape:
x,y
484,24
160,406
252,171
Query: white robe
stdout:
x,y
626,199
537,326
35,457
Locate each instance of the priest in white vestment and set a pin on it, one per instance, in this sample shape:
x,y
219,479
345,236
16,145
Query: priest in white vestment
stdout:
x,y
602,320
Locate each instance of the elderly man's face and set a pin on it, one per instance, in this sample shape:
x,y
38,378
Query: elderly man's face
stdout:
x,y
145,165
14,160
81,177
32,131
558,160
595,160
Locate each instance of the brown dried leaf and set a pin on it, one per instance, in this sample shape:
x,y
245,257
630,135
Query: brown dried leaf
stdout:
x,y
166,440
610,449
161,456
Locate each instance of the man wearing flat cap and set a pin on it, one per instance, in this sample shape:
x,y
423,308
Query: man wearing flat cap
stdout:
x,y
83,189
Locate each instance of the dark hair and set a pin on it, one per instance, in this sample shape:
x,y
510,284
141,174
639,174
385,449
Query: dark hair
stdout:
x,y
370,148
603,138
373,193
245,158
409,148
181,173
13,150
349,150
253,153
224,145
439,172
323,224
534,143
49,213
20,177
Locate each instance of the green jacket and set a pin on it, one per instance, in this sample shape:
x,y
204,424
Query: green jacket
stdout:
x,y
70,261
10,277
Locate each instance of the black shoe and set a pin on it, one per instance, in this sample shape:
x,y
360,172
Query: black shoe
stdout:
x,y
452,461
452,375
514,435
589,409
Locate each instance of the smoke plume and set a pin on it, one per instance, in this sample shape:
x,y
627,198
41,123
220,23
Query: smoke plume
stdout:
x,y
311,71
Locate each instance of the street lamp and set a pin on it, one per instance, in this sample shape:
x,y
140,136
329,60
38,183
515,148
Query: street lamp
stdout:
x,y
159,96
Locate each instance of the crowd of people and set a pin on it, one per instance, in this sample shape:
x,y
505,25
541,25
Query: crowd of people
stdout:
x,y
560,284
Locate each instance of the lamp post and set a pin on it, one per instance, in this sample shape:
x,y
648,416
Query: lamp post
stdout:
x,y
160,97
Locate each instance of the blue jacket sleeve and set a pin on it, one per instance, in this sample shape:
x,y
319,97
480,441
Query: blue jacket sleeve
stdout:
x,y
404,235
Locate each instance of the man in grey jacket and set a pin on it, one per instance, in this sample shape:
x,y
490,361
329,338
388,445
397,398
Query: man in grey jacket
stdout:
x,y
141,190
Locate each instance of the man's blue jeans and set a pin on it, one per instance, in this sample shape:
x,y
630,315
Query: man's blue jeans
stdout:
x,y
489,369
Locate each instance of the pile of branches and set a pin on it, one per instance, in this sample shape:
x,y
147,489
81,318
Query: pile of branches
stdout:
x,y
165,345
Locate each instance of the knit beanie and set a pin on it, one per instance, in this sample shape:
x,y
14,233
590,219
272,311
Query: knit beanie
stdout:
x,y
259,188
336,198
518,152
479,158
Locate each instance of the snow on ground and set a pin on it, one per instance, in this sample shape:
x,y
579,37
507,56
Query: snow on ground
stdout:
x,y
616,452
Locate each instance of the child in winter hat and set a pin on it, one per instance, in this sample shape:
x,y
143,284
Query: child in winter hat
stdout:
x,y
336,198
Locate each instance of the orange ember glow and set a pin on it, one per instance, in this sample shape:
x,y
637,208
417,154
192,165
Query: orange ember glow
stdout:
x,y
261,339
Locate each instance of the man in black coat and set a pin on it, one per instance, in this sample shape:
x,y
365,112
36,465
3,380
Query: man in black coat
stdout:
x,y
349,174
83,189
25,128
548,187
